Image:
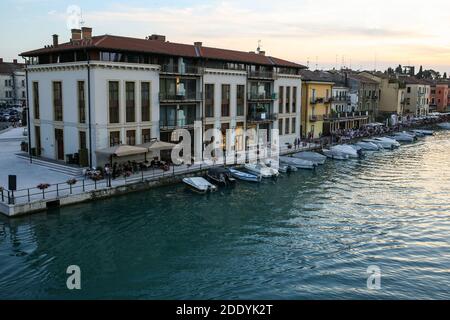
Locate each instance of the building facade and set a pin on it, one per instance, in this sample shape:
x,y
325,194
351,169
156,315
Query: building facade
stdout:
x,y
417,97
364,95
317,88
439,97
12,83
95,92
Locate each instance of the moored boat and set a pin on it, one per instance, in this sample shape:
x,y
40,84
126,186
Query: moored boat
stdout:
x,y
347,149
311,156
336,155
298,163
199,184
221,176
263,171
445,125
245,176
424,132
368,146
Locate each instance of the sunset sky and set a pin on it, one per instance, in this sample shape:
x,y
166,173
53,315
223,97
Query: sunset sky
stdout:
x,y
360,34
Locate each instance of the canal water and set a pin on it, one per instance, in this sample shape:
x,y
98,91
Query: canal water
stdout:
x,y
309,235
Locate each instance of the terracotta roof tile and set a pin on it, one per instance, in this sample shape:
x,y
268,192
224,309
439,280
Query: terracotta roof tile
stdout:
x,y
109,42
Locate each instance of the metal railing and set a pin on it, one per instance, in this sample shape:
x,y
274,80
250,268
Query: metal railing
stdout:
x,y
262,117
176,69
172,124
185,96
261,96
262,75
317,100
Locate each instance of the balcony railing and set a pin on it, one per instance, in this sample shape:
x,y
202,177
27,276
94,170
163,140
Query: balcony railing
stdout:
x,y
317,100
186,96
261,96
346,115
341,99
186,69
262,75
262,117
177,124
314,118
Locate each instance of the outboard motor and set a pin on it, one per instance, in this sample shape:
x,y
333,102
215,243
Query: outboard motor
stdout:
x,y
360,153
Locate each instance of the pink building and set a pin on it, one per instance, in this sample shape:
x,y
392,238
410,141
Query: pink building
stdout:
x,y
440,95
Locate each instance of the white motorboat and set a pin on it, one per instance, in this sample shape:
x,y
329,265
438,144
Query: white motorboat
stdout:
x,y
298,163
368,146
245,176
445,125
263,171
386,143
199,184
403,137
347,149
311,156
336,155
424,132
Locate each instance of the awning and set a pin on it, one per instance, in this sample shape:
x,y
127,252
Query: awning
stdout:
x,y
157,145
123,150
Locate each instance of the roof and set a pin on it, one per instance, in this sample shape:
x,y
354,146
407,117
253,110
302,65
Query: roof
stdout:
x,y
361,78
413,80
9,67
111,42
316,76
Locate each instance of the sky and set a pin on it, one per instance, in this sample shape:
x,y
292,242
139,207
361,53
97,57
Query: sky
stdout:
x,y
322,34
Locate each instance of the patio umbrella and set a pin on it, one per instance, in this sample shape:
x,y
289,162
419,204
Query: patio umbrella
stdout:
x,y
157,145
123,150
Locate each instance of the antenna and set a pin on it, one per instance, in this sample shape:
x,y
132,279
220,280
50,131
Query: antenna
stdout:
x,y
317,63
81,22
307,62
259,46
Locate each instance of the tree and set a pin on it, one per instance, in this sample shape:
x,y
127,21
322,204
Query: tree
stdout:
x,y
445,75
420,74
399,69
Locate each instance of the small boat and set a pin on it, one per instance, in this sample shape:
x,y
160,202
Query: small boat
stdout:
x,y
283,168
445,125
221,176
387,143
199,184
403,137
424,132
264,171
368,146
336,155
298,163
315,157
347,149
245,176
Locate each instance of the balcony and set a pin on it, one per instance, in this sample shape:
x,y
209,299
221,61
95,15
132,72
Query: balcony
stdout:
x,y
261,96
267,75
341,99
346,115
262,117
314,118
183,69
180,97
317,100
178,124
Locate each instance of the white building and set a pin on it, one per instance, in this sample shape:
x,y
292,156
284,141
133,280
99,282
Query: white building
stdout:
x,y
12,83
95,92
417,97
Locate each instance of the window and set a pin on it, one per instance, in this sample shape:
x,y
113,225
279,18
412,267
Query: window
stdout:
x,y
23,94
286,127
114,102
293,125
36,100
288,99
23,83
130,102
209,100
57,101
145,101
225,100
281,99
146,136
82,137
408,90
114,138
240,100
131,137
280,127
294,99
37,132
81,102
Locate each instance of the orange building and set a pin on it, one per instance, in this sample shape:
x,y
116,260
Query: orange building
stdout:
x,y
439,97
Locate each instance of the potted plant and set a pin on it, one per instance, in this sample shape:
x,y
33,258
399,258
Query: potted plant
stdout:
x,y
71,182
43,186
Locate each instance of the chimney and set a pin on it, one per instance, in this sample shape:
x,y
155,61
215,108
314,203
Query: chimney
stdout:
x,y
86,33
15,61
198,44
157,37
76,34
55,40
263,53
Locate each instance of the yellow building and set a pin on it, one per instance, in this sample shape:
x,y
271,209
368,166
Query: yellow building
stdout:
x,y
317,91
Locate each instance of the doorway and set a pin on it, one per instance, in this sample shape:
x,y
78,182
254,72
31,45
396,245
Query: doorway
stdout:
x,y
59,142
